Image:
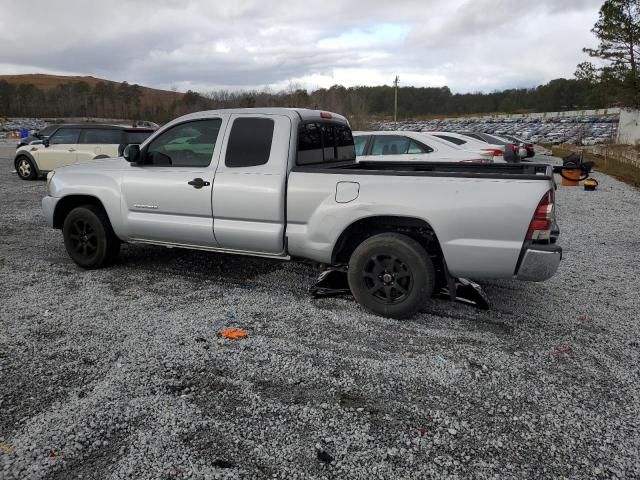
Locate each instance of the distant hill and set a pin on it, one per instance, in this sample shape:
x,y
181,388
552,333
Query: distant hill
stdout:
x,y
45,81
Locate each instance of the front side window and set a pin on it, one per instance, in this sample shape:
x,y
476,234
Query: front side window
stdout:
x,y
104,136
188,144
361,144
249,142
65,136
324,142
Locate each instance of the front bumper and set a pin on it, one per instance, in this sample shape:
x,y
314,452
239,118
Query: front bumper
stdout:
x,y
539,263
48,208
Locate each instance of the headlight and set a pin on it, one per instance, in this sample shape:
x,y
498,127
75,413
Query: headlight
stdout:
x,y
49,177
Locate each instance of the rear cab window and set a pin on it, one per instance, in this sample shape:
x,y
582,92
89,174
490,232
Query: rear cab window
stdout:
x,y
324,142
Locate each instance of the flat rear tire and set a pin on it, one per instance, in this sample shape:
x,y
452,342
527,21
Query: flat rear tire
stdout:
x,y
391,275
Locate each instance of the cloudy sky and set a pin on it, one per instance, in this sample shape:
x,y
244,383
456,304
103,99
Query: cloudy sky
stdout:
x,y
469,45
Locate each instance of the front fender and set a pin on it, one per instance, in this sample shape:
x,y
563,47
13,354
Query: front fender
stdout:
x,y
105,188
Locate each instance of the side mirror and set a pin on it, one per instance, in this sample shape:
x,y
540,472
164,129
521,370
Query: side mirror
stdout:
x,y
132,153
45,141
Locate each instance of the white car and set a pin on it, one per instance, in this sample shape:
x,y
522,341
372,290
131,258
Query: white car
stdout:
x,y
470,144
413,147
75,143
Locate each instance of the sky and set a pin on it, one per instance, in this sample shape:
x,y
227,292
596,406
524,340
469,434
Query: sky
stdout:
x,y
467,45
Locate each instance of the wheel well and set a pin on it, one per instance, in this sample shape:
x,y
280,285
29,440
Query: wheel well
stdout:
x,y
66,204
360,230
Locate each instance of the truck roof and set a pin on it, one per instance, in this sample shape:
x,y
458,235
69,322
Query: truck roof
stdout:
x,y
300,113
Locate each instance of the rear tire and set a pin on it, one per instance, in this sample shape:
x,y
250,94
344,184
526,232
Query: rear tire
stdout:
x,y
25,168
391,275
89,238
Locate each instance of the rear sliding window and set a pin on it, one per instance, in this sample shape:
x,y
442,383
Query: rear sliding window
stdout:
x,y
249,142
457,141
324,143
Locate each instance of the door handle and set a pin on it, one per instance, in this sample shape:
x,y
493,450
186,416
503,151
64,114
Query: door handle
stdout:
x,y
72,149
198,183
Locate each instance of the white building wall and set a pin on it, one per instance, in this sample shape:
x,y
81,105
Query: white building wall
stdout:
x,y
629,127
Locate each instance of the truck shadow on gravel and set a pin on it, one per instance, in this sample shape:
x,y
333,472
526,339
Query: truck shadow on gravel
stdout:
x,y
193,265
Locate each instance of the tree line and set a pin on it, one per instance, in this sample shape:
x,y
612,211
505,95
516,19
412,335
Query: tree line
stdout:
x,y
128,101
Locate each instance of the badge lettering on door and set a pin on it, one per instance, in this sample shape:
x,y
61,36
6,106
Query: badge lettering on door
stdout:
x,y
151,207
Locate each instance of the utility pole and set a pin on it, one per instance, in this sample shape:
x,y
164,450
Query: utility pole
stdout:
x,y
395,103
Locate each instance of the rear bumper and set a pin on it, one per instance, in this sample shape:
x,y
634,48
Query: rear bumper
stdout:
x,y
48,207
539,263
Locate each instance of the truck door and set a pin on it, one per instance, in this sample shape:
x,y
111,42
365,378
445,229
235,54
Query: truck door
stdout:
x,y
167,197
250,185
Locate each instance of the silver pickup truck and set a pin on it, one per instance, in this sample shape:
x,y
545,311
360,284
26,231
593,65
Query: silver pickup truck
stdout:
x,y
283,183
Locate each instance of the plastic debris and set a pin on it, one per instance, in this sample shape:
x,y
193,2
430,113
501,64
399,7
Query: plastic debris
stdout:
x,y
234,333
562,350
7,449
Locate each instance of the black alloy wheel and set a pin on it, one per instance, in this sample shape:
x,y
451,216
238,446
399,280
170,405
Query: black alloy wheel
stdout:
x,y
391,275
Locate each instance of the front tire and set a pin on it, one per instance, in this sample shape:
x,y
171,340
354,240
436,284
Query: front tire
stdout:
x,y
89,238
391,275
25,168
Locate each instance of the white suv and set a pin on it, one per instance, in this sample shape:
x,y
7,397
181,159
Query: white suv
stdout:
x,y
75,143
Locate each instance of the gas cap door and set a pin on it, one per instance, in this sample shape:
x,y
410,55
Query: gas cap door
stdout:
x,y
347,191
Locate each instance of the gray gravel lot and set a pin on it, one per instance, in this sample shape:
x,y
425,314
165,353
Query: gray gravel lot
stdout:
x,y
119,373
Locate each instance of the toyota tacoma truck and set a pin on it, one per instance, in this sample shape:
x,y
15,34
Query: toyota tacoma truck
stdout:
x,y
284,184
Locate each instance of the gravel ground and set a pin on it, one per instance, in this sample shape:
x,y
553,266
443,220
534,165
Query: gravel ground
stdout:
x,y
120,373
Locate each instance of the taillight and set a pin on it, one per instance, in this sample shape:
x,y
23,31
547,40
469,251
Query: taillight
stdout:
x,y
496,152
326,115
542,221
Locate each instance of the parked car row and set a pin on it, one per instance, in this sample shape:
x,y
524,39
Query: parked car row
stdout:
x,y
586,130
460,147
